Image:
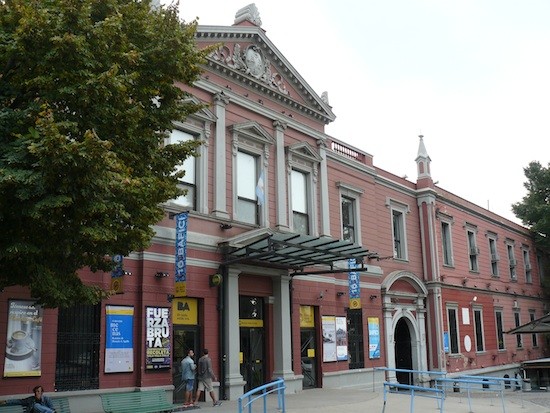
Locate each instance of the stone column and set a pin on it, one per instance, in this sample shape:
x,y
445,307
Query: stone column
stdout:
x,y
390,343
323,181
220,150
234,380
282,328
281,190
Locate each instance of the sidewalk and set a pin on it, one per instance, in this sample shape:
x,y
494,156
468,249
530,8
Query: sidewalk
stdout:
x,y
366,401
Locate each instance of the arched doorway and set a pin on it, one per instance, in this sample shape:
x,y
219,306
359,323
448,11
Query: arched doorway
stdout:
x,y
403,351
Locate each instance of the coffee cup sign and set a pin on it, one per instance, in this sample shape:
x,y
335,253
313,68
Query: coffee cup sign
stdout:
x,y
18,341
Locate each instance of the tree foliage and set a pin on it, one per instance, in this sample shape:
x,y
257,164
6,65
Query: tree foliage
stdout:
x,y
534,209
87,97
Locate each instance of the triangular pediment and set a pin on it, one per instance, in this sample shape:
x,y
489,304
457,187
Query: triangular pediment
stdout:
x,y
203,114
305,151
252,130
248,57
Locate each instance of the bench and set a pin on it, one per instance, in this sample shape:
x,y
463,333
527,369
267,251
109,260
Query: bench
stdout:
x,y
60,404
12,408
147,401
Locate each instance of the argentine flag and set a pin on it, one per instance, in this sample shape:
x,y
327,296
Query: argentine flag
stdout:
x,y
260,194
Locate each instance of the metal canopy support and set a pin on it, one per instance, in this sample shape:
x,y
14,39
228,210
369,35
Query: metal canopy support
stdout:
x,y
540,325
296,251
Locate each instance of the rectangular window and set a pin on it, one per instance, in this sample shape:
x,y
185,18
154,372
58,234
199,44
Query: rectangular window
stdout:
x,y
300,217
478,321
540,265
500,330
511,262
527,263
452,319
247,177
188,181
473,251
446,243
534,337
519,337
398,234
494,256
348,219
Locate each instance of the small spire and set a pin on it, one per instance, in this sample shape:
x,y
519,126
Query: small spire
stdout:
x,y
422,148
423,160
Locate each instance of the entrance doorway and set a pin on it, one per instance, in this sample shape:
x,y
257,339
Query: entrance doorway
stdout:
x,y
252,349
185,338
403,352
308,357
251,320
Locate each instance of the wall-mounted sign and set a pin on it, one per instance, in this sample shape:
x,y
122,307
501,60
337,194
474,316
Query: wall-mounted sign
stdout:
x,y
119,346
185,311
158,348
374,337
24,339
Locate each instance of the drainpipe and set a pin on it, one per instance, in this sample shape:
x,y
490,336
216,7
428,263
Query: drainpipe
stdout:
x,y
221,314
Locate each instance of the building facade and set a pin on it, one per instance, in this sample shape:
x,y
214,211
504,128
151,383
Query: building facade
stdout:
x,y
302,260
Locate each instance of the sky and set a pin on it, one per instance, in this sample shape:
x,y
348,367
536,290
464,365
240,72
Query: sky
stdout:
x,y
471,76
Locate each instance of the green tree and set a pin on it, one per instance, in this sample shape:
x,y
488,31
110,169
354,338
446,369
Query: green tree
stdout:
x,y
88,93
534,209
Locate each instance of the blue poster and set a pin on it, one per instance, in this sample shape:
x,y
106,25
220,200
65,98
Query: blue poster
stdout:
x,y
181,253
119,346
374,337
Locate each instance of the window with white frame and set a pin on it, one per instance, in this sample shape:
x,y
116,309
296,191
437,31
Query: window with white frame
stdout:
x,y
527,265
511,261
188,181
534,337
517,323
348,218
398,212
478,324
446,243
499,328
494,255
299,188
473,250
452,320
250,144
246,209
349,202
303,162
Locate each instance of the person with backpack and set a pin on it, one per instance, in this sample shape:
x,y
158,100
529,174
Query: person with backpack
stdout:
x,y
204,377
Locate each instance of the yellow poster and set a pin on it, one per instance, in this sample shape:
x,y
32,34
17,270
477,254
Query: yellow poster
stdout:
x,y
307,316
185,311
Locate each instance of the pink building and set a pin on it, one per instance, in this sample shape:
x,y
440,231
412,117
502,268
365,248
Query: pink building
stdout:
x,y
303,260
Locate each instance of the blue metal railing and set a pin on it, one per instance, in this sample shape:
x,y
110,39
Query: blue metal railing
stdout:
x,y
430,392
436,384
261,393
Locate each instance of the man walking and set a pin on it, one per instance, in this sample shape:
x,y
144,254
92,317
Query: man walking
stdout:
x,y
205,377
188,377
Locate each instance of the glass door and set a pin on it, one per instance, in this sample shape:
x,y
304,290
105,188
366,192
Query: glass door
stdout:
x,y
308,357
252,349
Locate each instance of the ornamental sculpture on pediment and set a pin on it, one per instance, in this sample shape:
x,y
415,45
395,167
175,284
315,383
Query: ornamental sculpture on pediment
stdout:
x,y
252,62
